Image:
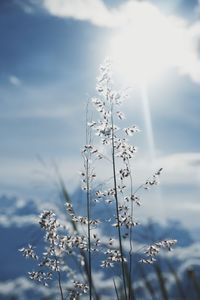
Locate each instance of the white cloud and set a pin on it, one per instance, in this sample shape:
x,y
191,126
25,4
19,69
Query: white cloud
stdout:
x,y
14,80
20,173
40,102
181,168
20,212
183,51
20,286
94,11
18,221
63,111
181,175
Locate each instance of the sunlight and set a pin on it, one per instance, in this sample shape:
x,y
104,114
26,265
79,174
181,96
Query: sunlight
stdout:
x,y
148,44
148,124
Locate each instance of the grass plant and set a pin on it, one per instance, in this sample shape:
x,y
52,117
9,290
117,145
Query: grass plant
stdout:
x,y
80,238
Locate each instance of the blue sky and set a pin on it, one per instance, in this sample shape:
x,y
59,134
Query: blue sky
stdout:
x,y
49,59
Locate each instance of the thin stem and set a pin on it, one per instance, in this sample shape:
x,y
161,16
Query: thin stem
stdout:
x,y
117,202
87,167
75,228
161,281
89,229
60,286
130,239
115,289
58,272
177,280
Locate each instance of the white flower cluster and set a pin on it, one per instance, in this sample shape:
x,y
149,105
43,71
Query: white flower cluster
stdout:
x,y
153,250
105,140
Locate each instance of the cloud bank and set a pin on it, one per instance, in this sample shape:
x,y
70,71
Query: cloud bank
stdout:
x,y
186,35
94,11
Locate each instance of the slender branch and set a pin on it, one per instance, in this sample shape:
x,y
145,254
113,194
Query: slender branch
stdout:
x,y
87,167
75,228
130,239
58,272
116,201
60,286
89,229
115,289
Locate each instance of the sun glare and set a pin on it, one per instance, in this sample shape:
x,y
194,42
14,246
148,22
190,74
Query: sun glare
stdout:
x,y
147,45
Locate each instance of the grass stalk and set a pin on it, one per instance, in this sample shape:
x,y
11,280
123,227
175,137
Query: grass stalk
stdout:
x,y
148,285
192,276
177,280
74,225
58,273
60,285
117,202
89,230
131,294
116,291
87,169
161,282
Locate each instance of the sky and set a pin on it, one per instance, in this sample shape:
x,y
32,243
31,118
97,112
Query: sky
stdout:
x,y
50,55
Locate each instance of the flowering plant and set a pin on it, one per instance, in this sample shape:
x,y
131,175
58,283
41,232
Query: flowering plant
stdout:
x,y
80,241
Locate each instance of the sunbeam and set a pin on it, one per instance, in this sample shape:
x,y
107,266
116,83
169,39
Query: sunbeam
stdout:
x,y
148,124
